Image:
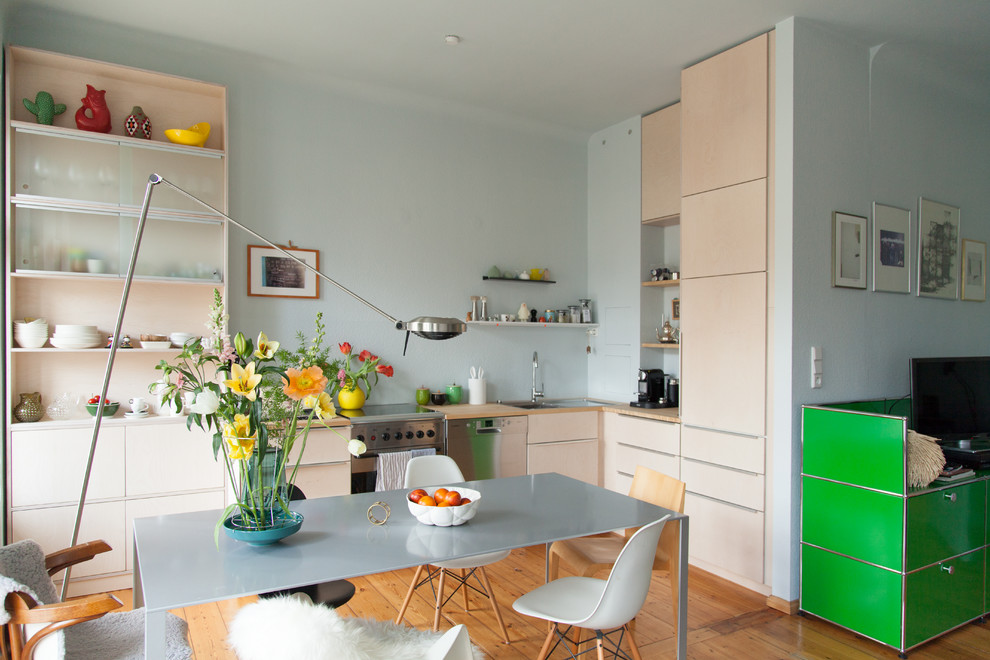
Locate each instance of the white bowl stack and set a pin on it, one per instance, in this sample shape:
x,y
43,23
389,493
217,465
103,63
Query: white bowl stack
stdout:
x,y
77,336
31,334
181,338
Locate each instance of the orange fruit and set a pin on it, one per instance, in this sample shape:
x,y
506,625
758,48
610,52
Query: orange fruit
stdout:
x,y
416,495
443,503
426,500
465,500
452,498
440,494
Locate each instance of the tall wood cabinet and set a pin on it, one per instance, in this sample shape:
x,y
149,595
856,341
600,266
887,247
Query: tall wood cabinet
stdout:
x,y
73,200
725,121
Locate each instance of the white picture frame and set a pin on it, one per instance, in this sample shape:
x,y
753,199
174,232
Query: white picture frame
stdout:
x,y
891,249
849,245
938,250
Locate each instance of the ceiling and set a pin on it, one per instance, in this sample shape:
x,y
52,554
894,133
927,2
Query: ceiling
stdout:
x,y
581,65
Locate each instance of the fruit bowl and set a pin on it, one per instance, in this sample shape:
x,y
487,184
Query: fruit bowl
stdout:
x,y
109,409
446,516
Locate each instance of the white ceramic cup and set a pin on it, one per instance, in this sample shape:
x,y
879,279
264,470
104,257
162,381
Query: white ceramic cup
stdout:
x,y
504,317
138,404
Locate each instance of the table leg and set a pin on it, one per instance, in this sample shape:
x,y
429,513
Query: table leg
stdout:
x,y
682,592
154,635
546,566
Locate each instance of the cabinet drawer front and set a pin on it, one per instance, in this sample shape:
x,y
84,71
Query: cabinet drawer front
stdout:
x,y
47,467
577,459
711,245
945,523
645,433
325,480
51,529
164,506
166,458
627,458
857,522
713,522
743,452
324,446
563,426
742,488
944,596
850,593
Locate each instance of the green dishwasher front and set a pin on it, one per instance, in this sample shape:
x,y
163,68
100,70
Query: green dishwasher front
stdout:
x,y
859,596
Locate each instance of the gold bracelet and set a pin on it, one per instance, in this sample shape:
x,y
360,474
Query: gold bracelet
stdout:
x,y
373,519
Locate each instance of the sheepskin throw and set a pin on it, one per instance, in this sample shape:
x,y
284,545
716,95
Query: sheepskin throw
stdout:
x,y
925,459
290,628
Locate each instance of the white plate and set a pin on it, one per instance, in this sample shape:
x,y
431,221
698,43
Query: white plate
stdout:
x,y
156,344
134,415
74,343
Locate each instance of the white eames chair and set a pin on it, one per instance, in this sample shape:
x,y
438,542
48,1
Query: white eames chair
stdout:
x,y
443,471
454,645
605,606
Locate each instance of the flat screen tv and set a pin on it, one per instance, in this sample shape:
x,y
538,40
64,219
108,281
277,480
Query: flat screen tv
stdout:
x,y
950,397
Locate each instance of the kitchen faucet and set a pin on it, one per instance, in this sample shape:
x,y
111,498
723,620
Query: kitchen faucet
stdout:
x,y
537,393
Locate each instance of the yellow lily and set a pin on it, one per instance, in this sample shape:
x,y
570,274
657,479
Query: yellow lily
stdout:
x,y
266,349
322,405
244,381
239,439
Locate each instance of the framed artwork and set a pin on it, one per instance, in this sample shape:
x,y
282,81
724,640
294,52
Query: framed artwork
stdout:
x,y
938,250
891,249
848,250
675,309
272,274
974,270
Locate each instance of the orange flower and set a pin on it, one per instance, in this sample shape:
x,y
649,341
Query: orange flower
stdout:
x,y
365,355
301,384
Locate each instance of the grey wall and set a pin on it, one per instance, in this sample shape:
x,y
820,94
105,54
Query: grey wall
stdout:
x,y
408,200
889,129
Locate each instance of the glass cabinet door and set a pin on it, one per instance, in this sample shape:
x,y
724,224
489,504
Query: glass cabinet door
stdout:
x,y
66,168
199,175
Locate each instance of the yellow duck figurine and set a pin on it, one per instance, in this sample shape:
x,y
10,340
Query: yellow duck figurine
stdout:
x,y
194,136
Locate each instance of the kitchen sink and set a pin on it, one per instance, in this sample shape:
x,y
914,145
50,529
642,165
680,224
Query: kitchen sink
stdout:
x,y
559,403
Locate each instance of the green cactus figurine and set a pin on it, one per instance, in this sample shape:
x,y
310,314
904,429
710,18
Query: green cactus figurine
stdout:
x,y
44,108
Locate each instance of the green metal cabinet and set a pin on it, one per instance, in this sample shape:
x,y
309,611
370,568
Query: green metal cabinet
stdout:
x,y
898,565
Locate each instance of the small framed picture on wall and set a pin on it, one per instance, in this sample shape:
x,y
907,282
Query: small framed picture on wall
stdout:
x,y
272,274
891,249
848,250
938,250
675,309
974,270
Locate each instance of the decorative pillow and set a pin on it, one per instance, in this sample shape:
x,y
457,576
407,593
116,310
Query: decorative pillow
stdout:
x,y
925,459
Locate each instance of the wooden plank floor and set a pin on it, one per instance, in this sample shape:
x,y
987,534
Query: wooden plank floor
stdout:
x,y
724,621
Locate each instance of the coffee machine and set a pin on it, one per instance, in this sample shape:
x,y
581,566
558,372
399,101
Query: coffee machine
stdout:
x,y
651,388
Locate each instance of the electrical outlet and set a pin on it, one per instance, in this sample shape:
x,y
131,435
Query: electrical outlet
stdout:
x,y
816,367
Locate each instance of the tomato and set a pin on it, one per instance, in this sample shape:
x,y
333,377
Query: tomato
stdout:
x,y
96,399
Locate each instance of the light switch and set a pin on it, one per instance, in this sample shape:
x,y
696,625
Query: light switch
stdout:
x,y
816,367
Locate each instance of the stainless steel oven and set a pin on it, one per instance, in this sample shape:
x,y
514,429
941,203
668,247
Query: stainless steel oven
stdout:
x,y
391,428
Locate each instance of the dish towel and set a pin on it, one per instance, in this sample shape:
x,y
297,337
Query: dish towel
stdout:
x,y
392,470
428,451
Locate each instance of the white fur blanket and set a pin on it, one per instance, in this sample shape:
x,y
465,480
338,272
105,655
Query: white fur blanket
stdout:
x,y
288,628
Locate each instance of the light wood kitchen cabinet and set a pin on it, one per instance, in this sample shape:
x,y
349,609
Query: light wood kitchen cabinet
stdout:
x,y
723,353
325,469
726,538
724,121
661,165
564,442
630,441
725,231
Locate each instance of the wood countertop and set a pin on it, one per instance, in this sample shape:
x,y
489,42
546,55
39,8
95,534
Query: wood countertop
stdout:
x,y
467,411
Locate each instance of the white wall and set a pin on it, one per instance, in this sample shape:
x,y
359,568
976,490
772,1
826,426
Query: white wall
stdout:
x,y
408,200
890,132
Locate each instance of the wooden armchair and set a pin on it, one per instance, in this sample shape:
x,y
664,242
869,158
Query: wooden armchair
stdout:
x,y
36,621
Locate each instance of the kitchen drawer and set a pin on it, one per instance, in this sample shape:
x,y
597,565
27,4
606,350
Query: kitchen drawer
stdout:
x,y
743,488
851,593
646,433
324,446
52,529
577,459
944,596
47,466
562,426
726,536
945,523
743,452
324,480
163,506
166,458
858,522
627,458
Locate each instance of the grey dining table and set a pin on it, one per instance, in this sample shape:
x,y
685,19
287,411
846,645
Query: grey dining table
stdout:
x,y
177,564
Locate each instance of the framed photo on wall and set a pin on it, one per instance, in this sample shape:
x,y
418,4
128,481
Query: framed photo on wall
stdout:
x,y
675,309
938,249
974,270
891,249
272,274
848,250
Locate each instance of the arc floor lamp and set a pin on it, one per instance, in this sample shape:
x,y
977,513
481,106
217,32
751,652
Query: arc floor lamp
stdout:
x,y
428,327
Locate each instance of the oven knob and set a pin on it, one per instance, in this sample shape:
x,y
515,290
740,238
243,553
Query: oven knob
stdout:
x,y
360,437
419,434
430,433
385,436
409,435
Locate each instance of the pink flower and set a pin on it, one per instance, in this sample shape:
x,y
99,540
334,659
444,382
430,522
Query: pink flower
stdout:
x,y
341,376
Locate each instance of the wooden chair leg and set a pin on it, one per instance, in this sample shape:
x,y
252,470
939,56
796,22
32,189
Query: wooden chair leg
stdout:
x,y
632,644
600,643
554,566
436,613
546,644
464,588
576,646
409,594
491,597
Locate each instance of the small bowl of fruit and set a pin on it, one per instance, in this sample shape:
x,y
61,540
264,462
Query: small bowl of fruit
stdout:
x,y
443,506
109,407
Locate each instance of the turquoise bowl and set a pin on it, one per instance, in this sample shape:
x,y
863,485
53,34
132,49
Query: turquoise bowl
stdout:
x,y
284,527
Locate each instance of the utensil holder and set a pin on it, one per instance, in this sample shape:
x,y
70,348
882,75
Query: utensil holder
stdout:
x,y
476,391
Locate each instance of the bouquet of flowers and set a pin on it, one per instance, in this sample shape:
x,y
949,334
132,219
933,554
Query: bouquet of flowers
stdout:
x,y
368,365
226,382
